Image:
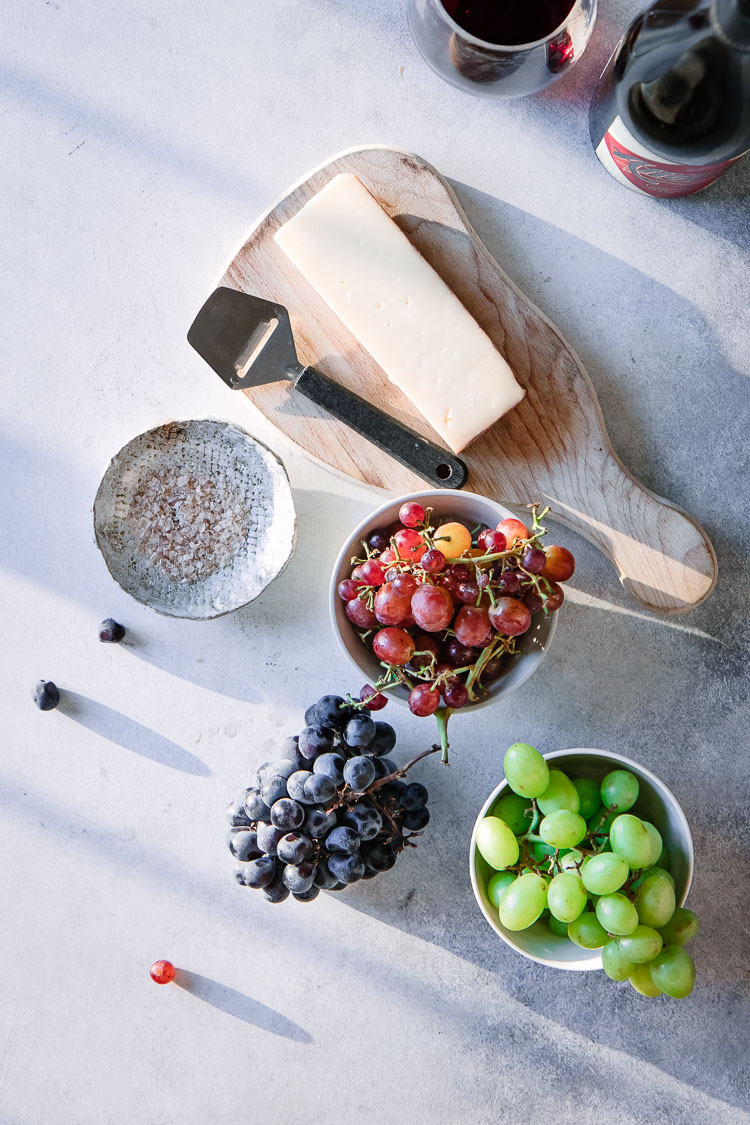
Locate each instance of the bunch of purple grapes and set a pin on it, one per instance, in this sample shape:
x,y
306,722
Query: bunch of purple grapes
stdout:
x,y
330,811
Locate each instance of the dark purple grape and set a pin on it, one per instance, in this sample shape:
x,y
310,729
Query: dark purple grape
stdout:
x,y
46,695
359,773
276,890
415,821
359,732
343,840
378,540
259,872
330,765
365,820
111,632
455,694
284,767
308,895
299,878
318,822
346,868
255,807
311,715
295,847
379,856
287,814
319,788
314,741
458,655
323,876
243,844
268,838
273,789
414,797
237,814
508,583
296,786
330,712
533,559
468,592
383,741
532,601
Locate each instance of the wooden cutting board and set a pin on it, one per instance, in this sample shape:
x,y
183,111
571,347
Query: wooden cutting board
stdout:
x,y
553,447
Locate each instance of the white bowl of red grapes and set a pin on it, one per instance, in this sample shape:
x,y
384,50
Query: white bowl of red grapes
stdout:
x,y
582,859
446,600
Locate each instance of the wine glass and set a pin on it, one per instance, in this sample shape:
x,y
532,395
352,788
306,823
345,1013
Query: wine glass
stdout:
x,y
560,29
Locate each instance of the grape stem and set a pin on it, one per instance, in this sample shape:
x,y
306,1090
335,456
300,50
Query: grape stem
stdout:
x,y
442,715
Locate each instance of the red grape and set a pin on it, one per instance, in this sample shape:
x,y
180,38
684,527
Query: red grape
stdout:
x,y
512,530
433,561
560,564
468,592
491,541
394,646
472,625
373,700
389,606
555,599
410,544
532,601
492,668
359,614
508,582
460,572
405,584
424,700
411,514
372,572
357,574
510,617
448,582
432,607
424,643
162,972
348,589
455,693
533,559
388,555
459,655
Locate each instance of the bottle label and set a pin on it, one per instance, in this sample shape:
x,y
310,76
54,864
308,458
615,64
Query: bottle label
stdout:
x,y
632,164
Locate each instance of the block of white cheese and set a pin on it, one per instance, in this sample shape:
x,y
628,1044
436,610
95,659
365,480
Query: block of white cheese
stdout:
x,y
400,310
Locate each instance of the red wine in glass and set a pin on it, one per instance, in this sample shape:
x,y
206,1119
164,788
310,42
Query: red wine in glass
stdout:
x,y
509,22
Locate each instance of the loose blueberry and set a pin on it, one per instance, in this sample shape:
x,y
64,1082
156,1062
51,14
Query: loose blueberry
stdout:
x,y
111,632
46,695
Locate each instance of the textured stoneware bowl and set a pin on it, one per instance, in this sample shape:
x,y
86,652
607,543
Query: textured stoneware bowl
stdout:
x,y
467,508
655,803
231,479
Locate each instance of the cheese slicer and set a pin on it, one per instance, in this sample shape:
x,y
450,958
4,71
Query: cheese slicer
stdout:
x,y
248,341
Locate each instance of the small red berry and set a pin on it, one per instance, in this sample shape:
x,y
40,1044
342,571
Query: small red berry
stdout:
x,y
373,700
411,514
162,972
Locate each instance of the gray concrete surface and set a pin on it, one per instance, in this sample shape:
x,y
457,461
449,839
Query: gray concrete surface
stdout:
x,y
139,141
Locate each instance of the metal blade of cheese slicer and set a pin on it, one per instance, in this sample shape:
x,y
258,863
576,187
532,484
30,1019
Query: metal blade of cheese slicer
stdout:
x,y
248,342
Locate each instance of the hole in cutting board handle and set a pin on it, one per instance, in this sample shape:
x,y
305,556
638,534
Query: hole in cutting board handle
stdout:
x,y
445,472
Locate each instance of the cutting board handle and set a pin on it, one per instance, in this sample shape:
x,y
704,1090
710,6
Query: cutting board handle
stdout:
x,y
663,558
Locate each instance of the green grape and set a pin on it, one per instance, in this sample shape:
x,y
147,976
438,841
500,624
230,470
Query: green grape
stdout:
x,y
656,842
513,810
617,914
681,927
566,896
587,931
561,793
558,928
571,859
665,859
563,829
647,873
588,796
673,971
631,839
642,945
614,964
655,901
619,790
642,982
523,902
526,771
542,851
602,874
498,885
496,843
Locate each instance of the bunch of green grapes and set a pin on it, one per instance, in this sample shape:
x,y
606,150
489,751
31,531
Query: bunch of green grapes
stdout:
x,y
569,852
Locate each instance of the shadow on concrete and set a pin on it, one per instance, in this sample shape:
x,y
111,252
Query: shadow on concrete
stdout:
x,y
126,732
240,1006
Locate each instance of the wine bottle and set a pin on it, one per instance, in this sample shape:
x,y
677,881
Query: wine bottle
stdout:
x,y
671,112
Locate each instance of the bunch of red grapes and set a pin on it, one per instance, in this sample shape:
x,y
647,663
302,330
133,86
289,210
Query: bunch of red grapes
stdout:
x,y
442,607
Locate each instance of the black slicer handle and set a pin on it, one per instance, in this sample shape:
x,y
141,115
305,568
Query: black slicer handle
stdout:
x,y
436,465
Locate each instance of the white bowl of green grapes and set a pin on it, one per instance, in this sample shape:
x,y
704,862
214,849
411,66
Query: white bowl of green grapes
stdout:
x,y
582,859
